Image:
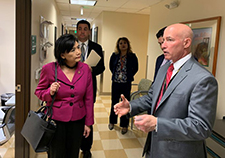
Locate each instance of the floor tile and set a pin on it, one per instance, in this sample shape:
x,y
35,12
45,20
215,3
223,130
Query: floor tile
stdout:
x,y
130,143
142,141
97,145
100,109
103,127
134,153
106,101
101,114
98,154
112,144
108,105
108,135
96,136
115,154
98,105
102,120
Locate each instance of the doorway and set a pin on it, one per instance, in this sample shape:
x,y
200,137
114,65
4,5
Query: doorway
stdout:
x,y
23,63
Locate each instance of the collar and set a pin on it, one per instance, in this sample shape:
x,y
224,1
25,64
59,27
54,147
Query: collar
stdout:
x,y
86,43
177,65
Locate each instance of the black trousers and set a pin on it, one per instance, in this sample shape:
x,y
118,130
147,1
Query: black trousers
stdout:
x,y
67,140
117,90
87,142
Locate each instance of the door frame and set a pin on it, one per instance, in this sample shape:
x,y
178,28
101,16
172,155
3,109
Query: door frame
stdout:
x,y
23,74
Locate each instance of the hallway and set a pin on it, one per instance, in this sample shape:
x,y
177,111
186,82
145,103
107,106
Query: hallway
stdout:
x,y
107,144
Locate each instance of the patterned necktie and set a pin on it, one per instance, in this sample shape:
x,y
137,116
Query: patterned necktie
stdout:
x,y
82,53
165,83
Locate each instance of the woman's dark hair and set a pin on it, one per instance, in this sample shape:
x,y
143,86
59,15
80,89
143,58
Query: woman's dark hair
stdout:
x,y
63,44
117,49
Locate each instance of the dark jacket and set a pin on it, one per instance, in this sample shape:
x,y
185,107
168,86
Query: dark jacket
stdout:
x,y
159,61
132,65
100,67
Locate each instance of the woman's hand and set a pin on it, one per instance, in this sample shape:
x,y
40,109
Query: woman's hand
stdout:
x,y
87,131
54,87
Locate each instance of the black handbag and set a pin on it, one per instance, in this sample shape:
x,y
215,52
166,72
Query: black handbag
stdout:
x,y
39,128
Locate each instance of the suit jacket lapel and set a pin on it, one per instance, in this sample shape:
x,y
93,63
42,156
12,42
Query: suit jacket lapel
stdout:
x,y
158,84
180,76
89,47
79,72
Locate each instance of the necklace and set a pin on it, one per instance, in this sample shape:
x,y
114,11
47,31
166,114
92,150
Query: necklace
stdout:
x,y
71,67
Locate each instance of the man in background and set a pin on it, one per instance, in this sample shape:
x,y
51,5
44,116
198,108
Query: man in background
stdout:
x,y
83,33
160,61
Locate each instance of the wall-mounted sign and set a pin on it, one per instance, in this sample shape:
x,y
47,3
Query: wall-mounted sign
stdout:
x,y
33,44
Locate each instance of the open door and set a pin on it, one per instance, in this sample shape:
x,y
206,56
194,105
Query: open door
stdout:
x,y
23,64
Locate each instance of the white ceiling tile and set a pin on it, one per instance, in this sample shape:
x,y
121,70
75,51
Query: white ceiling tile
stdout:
x,y
62,6
66,17
144,11
134,5
127,10
110,3
65,13
69,11
63,1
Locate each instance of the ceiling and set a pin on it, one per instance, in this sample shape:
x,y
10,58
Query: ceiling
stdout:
x,y
70,11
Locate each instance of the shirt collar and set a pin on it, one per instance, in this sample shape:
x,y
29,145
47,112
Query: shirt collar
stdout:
x,y
86,43
177,65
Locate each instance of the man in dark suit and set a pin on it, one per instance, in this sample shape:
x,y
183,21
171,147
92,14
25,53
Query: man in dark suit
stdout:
x,y
160,61
183,116
83,33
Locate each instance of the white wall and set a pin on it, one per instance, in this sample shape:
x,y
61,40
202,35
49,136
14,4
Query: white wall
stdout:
x,y
7,46
189,10
48,10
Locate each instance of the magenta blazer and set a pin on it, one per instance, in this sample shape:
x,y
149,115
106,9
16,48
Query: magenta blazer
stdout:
x,y
74,100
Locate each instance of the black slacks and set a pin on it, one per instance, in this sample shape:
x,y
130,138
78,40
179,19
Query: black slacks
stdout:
x,y
117,90
67,140
87,142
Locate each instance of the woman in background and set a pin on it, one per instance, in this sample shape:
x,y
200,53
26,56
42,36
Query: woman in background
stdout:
x,y
73,106
123,65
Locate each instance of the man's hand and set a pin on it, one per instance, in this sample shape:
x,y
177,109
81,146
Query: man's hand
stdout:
x,y
87,131
123,107
146,123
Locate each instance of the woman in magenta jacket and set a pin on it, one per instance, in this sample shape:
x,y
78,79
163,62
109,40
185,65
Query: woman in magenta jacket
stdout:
x,y
73,106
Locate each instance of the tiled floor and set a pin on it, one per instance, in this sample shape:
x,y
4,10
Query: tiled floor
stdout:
x,y
107,144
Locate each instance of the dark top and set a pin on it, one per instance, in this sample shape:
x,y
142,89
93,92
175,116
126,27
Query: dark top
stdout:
x,y
131,65
158,63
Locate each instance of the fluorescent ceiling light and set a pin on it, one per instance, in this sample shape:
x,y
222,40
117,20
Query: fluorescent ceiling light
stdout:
x,y
81,11
78,19
80,2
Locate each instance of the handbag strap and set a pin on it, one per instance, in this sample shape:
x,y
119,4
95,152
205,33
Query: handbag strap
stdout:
x,y
53,97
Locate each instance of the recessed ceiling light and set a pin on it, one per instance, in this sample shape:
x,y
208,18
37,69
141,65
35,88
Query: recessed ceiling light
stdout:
x,y
80,2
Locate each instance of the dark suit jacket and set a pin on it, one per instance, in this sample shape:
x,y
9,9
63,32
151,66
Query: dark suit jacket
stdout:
x,y
100,67
158,63
185,114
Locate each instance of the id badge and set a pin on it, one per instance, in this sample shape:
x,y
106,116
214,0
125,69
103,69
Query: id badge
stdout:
x,y
120,75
